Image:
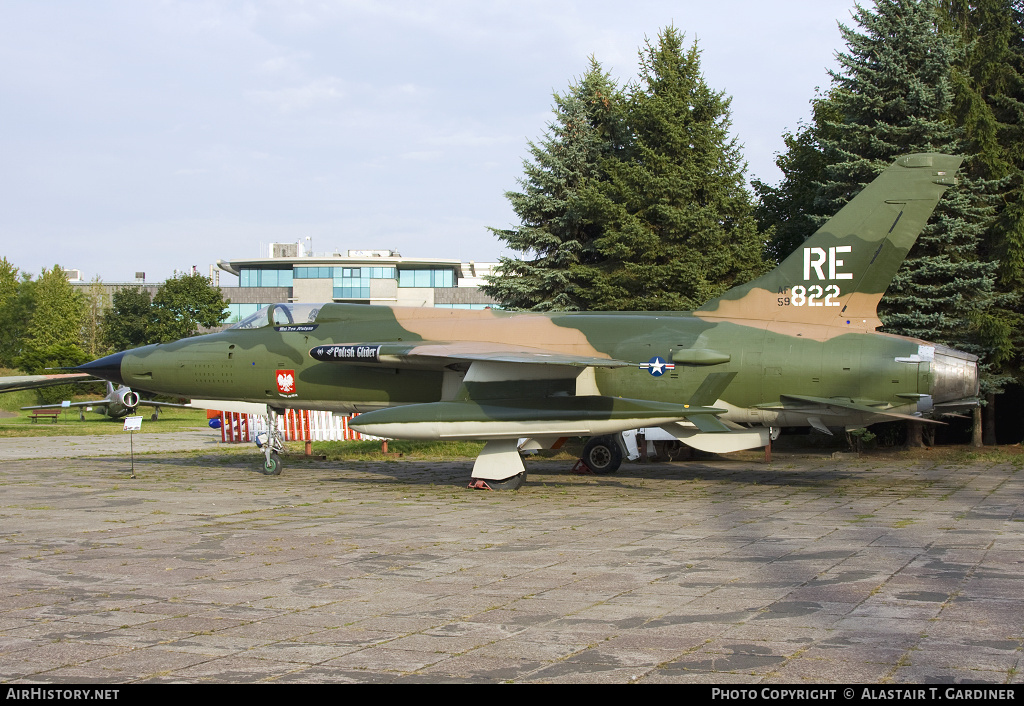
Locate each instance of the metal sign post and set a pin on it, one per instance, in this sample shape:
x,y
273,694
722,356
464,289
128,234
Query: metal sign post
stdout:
x,y
132,425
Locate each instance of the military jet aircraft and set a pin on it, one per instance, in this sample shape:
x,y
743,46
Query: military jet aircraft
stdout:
x,y
118,403
795,347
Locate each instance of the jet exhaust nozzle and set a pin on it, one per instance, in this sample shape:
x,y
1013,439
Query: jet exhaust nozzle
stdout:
x,y
130,399
954,375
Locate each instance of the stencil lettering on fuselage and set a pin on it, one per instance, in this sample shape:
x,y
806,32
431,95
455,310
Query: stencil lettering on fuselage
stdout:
x,y
820,265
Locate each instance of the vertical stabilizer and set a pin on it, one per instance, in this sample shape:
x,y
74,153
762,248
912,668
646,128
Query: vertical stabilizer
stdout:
x,y
838,275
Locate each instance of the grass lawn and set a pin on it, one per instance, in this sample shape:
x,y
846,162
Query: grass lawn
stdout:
x,y
68,424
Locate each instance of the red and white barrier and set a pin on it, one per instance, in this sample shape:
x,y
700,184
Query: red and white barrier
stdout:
x,y
295,424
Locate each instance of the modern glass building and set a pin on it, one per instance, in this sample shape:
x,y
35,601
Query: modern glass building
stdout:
x,y
359,276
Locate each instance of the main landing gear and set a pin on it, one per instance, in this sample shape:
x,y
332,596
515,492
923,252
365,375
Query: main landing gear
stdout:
x,y
602,455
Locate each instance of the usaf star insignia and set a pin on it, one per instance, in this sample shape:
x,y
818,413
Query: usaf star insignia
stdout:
x,y
657,366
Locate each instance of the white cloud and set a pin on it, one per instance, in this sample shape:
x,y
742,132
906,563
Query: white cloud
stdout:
x,y
298,98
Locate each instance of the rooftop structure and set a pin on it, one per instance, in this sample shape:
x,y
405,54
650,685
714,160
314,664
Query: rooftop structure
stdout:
x,y
358,276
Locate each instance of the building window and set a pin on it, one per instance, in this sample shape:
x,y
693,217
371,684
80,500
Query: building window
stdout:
x,y
426,278
336,272
237,312
314,272
264,278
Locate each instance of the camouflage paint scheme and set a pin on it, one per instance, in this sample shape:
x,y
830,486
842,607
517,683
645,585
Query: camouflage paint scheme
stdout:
x,y
796,347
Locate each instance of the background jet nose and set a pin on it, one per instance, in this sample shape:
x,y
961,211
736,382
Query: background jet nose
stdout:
x,y
106,368
954,374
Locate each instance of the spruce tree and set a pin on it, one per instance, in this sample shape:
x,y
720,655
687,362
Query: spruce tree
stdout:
x,y
792,211
989,104
555,240
895,94
54,333
679,225
12,323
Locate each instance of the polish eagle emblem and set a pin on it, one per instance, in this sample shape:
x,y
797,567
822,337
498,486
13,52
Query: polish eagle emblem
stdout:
x,y
286,381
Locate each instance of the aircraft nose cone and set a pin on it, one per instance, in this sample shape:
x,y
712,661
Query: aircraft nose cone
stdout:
x,y
106,368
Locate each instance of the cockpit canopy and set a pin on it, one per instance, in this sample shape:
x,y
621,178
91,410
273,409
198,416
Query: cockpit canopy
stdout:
x,y
280,315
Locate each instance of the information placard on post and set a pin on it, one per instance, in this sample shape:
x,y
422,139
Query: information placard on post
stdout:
x,y
132,424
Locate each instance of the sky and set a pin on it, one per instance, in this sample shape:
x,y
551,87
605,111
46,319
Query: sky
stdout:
x,y
159,135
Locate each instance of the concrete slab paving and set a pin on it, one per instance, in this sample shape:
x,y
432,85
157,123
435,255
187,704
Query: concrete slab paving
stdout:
x,y
888,568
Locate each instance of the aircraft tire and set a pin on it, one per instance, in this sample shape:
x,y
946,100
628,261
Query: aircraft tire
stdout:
x,y
602,455
273,466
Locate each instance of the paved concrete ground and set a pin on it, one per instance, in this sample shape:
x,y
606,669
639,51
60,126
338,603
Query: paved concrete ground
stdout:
x,y
22,447
807,570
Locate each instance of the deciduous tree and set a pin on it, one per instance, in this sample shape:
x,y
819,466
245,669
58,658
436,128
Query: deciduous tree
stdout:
x,y
183,304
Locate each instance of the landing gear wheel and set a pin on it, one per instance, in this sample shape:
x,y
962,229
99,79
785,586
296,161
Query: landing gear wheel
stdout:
x,y
603,455
513,483
272,465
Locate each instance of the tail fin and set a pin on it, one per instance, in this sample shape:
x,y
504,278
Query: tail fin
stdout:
x,y
838,275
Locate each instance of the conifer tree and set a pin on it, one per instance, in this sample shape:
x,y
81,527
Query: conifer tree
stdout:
x,y
12,324
792,211
679,224
555,240
54,332
895,94
95,302
989,104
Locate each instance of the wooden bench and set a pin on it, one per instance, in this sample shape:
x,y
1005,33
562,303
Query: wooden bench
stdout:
x,y
38,413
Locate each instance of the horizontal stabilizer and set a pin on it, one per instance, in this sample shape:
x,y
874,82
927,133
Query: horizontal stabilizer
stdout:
x,y
31,382
824,404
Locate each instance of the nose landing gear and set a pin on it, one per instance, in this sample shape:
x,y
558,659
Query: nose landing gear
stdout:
x,y
272,444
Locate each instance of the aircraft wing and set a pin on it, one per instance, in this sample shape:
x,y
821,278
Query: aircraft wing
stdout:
x,y
102,403
154,403
88,403
441,354
30,382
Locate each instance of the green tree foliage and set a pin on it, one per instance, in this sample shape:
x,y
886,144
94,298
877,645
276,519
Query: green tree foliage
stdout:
x,y
680,227
894,94
54,332
12,316
95,303
183,304
989,104
126,323
792,211
638,207
556,240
